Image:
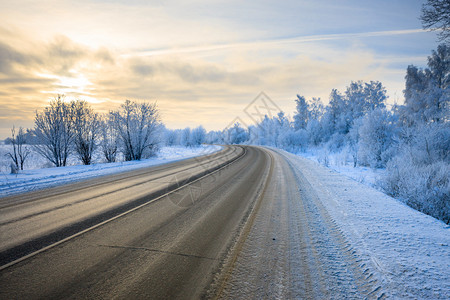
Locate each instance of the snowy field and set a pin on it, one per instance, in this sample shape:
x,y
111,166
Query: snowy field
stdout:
x,y
38,174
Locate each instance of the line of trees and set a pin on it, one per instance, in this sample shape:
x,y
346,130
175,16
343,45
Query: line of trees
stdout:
x,y
186,137
65,128
71,127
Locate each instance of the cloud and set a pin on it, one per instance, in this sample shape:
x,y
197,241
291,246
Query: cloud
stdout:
x,y
103,55
10,58
203,74
62,55
32,72
272,42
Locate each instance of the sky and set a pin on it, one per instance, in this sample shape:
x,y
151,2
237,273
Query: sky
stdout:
x,y
203,62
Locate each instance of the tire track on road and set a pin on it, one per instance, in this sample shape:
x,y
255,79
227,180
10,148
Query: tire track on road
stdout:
x,y
344,263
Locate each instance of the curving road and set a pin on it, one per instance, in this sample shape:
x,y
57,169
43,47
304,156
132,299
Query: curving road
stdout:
x,y
162,245
238,224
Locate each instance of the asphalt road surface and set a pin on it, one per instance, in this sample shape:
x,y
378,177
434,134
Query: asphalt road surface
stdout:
x,y
161,245
238,224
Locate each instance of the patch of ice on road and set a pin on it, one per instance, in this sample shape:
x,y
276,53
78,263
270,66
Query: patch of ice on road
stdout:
x,y
37,178
410,251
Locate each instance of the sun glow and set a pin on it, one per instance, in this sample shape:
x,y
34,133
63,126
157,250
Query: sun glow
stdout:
x,y
74,84
77,84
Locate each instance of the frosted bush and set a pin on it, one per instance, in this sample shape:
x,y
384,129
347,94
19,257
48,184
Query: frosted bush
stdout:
x,y
336,142
324,158
314,130
294,141
341,158
376,136
423,187
431,143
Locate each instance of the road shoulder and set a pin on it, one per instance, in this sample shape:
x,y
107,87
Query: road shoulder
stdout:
x,y
407,251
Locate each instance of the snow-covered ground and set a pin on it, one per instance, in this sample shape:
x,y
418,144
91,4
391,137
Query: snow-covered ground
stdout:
x,y
407,251
36,176
342,162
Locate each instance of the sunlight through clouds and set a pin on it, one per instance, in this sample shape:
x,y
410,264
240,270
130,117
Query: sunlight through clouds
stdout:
x,y
78,84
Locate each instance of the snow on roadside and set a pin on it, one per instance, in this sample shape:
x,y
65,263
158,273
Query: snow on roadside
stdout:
x,y
409,251
36,179
342,163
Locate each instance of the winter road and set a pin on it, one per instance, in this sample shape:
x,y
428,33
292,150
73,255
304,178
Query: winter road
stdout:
x,y
242,223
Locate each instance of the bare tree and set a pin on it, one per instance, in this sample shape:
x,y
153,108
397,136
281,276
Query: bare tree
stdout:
x,y
86,129
436,16
109,137
138,125
54,131
19,153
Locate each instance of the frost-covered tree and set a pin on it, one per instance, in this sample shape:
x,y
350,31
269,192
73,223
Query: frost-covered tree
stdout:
x,y
415,94
316,109
336,121
236,134
376,137
427,92
278,131
315,132
336,118
266,132
282,130
170,137
301,114
363,97
86,130
19,152
214,137
185,137
294,140
138,126
54,130
355,99
314,128
110,137
439,65
343,110
376,96
436,16
198,136
352,140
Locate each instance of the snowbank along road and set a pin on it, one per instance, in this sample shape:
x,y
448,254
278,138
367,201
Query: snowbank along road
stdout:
x,y
243,223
